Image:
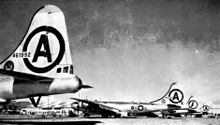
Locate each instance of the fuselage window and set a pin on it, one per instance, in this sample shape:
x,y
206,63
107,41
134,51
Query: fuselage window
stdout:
x,y
58,70
65,69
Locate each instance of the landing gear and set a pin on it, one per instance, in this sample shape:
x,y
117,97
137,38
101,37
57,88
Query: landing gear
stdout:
x,y
163,114
34,102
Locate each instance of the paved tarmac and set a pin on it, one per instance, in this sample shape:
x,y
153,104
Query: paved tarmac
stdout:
x,y
161,121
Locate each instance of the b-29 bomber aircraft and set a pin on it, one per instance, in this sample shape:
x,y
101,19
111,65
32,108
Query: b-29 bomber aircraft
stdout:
x,y
170,102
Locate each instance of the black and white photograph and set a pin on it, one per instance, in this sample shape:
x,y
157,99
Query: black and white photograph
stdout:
x,y
110,62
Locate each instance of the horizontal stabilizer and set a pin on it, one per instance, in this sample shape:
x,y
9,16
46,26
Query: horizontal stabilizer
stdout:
x,y
24,76
171,106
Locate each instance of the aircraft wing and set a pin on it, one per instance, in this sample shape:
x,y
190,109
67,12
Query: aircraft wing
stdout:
x,y
81,100
24,76
108,108
96,107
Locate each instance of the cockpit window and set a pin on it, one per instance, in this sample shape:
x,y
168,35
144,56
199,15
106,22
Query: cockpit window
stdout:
x,y
71,69
58,70
65,69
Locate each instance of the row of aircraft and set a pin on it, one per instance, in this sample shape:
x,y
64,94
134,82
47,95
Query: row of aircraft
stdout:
x,y
171,104
41,65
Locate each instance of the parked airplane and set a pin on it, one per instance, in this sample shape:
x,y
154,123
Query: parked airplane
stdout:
x,y
191,108
41,65
169,102
197,109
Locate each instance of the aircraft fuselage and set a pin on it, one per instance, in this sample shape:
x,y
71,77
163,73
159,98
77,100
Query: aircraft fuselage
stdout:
x,y
138,108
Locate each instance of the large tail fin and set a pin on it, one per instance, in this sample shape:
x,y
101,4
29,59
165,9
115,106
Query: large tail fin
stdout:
x,y
44,50
174,95
193,104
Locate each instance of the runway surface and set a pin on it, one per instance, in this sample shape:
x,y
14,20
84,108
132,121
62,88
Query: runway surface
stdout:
x,y
113,121
160,121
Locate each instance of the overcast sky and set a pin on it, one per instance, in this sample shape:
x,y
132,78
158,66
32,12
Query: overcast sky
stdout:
x,y
132,50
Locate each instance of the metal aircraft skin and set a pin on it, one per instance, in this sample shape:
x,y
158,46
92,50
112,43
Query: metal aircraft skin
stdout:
x,y
171,101
41,65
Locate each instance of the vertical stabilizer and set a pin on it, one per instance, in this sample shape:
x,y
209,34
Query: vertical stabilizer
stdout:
x,y
44,50
174,95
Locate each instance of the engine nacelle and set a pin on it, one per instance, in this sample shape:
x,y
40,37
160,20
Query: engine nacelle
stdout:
x,y
79,105
83,105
